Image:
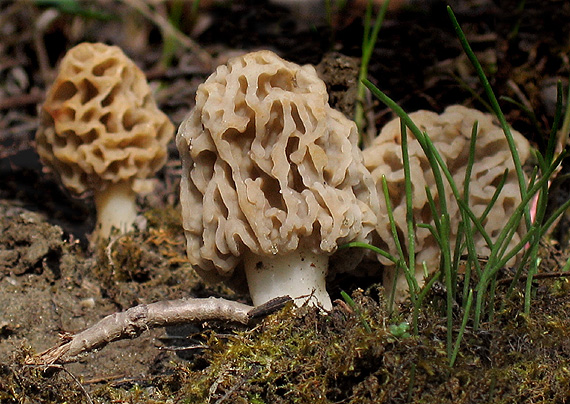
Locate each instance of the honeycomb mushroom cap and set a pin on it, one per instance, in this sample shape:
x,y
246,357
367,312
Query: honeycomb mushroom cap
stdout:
x,y
269,167
100,124
450,133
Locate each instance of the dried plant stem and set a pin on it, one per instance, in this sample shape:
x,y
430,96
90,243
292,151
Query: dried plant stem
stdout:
x,y
35,96
169,29
134,321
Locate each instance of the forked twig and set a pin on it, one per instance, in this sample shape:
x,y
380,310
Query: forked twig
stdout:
x,y
134,321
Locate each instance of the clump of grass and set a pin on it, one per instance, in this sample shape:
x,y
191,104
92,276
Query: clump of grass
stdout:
x,y
478,303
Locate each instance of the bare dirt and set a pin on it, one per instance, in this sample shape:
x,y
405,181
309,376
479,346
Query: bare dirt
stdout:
x,y
53,282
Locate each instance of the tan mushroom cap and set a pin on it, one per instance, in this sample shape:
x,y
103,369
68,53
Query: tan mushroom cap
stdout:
x,y
100,124
269,167
451,134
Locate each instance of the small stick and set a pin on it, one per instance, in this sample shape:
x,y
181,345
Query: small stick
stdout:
x,y
142,7
22,100
541,275
268,307
134,321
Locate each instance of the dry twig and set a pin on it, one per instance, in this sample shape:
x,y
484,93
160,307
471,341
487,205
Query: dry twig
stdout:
x,y
22,100
169,29
134,321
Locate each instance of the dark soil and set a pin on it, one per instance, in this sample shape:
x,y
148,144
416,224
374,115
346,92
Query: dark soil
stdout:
x,y
54,283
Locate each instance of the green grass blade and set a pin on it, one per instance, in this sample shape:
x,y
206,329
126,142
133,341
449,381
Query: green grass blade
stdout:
x,y
490,272
370,247
495,196
476,221
409,193
432,230
517,248
533,270
470,162
528,112
473,93
408,272
435,160
497,261
449,282
553,217
495,105
433,208
515,218
346,297
391,220
457,344
459,247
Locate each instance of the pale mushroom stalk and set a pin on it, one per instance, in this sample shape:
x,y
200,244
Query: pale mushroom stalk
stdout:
x,y
300,274
116,208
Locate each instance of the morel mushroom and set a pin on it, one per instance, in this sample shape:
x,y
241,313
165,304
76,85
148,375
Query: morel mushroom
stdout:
x,y
273,180
451,135
101,131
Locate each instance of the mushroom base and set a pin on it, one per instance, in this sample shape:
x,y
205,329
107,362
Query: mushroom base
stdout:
x,y
116,208
300,274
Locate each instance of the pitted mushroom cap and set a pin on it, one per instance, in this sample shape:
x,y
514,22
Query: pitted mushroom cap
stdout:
x,y
451,134
269,166
100,124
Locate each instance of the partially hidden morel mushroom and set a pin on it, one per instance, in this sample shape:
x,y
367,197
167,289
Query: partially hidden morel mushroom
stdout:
x,y
273,180
101,131
451,134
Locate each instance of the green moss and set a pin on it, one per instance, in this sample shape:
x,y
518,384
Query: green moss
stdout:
x,y
300,356
296,355
303,356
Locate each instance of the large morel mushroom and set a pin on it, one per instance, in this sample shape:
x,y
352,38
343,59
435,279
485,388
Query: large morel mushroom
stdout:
x,y
450,133
273,180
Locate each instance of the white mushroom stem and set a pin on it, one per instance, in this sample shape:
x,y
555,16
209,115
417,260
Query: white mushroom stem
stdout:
x,y
300,274
116,208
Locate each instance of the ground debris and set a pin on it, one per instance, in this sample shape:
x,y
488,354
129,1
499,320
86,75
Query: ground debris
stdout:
x,y
26,241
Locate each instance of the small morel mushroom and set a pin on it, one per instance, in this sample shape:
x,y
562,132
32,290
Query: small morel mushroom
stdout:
x,y
101,131
451,135
272,181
